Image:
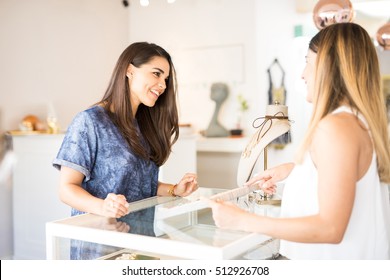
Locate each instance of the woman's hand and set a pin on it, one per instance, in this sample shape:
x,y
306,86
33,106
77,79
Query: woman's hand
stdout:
x,y
227,215
267,180
187,185
113,225
115,206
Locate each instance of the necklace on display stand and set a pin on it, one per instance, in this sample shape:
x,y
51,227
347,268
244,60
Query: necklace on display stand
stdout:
x,y
275,124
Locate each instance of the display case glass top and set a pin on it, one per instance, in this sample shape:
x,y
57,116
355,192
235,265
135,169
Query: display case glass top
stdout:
x,y
166,227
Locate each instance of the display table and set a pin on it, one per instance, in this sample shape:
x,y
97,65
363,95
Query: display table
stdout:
x,y
188,235
35,199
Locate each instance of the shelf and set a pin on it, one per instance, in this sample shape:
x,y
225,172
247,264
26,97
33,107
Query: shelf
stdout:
x,y
30,133
221,144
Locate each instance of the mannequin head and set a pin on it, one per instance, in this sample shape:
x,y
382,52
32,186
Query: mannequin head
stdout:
x,y
219,92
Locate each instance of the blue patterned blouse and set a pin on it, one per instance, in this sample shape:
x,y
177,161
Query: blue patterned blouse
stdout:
x,y
94,146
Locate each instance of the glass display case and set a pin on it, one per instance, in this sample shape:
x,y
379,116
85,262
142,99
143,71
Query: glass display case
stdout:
x,y
157,228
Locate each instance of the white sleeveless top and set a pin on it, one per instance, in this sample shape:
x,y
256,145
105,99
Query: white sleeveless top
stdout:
x,y
368,232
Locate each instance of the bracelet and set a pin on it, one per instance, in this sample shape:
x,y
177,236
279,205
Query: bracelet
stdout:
x,y
171,190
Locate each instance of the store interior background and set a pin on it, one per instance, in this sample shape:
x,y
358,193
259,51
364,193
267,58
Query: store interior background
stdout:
x,y
63,52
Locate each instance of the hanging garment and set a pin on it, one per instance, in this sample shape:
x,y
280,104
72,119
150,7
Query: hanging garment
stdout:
x,y
278,96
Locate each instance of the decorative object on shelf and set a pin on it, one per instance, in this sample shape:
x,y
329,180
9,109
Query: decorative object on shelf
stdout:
x,y
243,106
327,12
383,36
31,123
219,93
51,119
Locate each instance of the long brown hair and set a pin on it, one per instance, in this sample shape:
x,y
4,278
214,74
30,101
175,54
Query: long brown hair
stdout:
x,y
347,70
158,124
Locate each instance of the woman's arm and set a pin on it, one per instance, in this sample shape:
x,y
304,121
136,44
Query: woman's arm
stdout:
x,y
268,178
75,196
335,152
187,185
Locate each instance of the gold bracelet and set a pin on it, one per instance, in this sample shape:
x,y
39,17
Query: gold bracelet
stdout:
x,y
171,190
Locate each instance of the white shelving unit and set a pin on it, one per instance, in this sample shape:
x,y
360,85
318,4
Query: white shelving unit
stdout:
x,y
34,195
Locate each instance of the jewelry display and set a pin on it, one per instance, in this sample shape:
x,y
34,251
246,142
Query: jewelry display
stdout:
x,y
275,123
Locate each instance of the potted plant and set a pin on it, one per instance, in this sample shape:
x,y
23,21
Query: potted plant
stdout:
x,y
242,108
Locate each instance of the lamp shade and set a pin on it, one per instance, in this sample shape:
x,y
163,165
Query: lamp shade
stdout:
x,y
327,12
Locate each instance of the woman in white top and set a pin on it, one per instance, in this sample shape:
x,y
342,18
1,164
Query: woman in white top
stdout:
x,y
334,205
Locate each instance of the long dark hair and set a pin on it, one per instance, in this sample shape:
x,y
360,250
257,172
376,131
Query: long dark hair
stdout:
x,y
158,124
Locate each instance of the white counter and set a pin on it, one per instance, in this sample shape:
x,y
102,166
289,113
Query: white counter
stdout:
x,y
221,144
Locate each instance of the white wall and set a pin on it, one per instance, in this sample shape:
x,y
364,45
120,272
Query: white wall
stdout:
x,y
57,51
246,36
275,39
63,52
210,41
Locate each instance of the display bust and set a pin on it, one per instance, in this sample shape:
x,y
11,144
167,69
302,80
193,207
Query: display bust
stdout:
x,y
275,124
219,93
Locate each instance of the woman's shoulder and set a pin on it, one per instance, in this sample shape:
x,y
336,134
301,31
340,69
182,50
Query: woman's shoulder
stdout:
x,y
335,138
340,129
90,114
93,111
87,118
341,122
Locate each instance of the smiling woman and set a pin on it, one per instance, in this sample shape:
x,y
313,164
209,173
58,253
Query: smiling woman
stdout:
x,y
112,152
147,82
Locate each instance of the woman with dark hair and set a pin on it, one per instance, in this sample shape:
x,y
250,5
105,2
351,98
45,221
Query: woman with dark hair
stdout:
x,y
334,205
112,152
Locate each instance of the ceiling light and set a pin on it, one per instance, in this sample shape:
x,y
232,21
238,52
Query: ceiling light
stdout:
x,y
327,12
144,3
